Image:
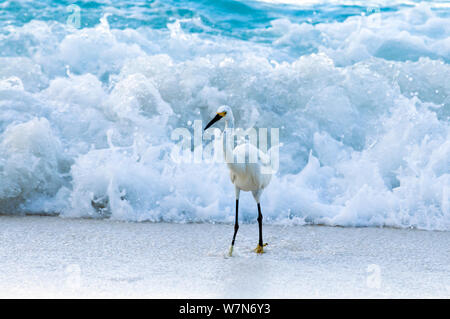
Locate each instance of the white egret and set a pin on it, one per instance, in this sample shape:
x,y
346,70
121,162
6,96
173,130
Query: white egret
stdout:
x,y
246,176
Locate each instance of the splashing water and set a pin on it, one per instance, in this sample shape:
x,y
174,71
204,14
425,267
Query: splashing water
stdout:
x,y
360,93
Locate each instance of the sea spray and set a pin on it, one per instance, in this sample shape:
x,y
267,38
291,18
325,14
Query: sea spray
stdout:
x,y
362,106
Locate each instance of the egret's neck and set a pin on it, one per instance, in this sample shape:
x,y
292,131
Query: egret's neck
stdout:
x,y
229,122
228,140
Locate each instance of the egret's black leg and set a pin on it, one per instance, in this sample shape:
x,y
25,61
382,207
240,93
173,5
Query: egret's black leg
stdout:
x,y
236,222
259,249
236,226
260,225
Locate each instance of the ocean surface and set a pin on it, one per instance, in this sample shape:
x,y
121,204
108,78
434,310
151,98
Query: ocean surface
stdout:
x,y
91,91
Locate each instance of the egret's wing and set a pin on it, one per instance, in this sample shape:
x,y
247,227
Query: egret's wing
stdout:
x,y
255,171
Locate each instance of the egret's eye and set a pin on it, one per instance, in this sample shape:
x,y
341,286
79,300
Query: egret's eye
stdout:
x,y
222,113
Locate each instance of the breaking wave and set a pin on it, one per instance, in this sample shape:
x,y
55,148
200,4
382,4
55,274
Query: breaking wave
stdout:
x,y
361,99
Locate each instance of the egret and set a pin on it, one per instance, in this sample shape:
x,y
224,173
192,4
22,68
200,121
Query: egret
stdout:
x,y
245,176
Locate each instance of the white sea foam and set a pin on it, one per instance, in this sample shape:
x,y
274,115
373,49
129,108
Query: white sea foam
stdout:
x,y
363,110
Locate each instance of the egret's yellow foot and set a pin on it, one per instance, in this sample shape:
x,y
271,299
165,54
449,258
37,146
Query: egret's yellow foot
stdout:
x,y
230,253
259,249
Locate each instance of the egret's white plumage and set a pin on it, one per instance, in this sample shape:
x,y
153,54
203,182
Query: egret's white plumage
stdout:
x,y
250,176
246,176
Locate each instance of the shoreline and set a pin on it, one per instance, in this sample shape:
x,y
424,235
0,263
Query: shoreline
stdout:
x,y
282,223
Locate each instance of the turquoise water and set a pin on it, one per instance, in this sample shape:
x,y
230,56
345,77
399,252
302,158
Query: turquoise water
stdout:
x,y
244,20
359,92
221,17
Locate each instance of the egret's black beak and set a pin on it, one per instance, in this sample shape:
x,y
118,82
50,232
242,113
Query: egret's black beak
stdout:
x,y
214,120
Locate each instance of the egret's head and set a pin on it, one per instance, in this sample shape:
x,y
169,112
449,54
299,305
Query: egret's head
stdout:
x,y
223,112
